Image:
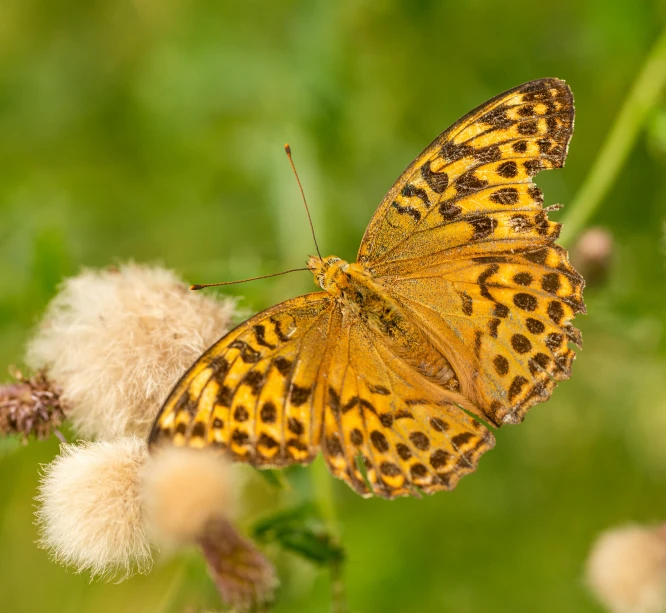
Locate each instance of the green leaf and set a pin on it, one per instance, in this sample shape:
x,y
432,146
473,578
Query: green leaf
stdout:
x,y
302,531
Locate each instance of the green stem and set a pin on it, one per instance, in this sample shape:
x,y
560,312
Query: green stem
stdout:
x,y
338,598
641,99
175,585
323,488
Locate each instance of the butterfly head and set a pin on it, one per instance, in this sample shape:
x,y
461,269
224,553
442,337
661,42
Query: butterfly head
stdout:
x,y
337,277
325,271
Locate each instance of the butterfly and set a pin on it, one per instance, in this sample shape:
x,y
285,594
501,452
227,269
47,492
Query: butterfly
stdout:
x,y
454,319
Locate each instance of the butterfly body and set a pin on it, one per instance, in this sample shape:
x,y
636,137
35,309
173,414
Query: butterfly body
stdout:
x,y
359,295
368,302
456,315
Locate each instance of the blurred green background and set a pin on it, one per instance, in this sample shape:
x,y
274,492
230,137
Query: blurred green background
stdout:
x,y
153,130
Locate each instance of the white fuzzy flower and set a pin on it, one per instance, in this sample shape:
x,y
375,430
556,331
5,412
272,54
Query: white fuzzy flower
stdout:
x,y
117,341
90,515
626,569
183,490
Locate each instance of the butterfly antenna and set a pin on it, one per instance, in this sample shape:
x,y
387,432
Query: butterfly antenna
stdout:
x,y
287,150
275,274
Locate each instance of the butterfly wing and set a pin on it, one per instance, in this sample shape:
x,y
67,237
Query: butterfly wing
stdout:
x,y
461,195
254,393
463,243
502,322
382,417
306,375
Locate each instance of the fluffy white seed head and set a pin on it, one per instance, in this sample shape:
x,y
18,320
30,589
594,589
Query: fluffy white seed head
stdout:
x,y
183,490
90,514
626,570
117,341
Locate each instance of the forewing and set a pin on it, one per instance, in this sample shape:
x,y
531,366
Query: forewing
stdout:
x,y
471,192
463,243
408,434
254,393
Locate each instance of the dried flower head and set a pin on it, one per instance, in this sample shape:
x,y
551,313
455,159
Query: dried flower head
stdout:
x,y
244,577
90,514
626,569
593,253
117,340
30,406
183,490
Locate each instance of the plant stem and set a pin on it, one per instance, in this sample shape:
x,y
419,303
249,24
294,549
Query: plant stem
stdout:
x,y
338,599
174,587
323,487
641,99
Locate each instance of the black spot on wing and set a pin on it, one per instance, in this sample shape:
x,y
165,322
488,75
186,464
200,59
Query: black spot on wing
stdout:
x,y
333,400
505,195
260,336
452,152
497,118
467,303
410,190
516,385
407,210
528,128
278,330
534,325
507,170
520,146
268,413
501,310
186,403
555,311
523,278
267,441
437,181
538,257
247,353
224,396
255,381
468,183
295,426
379,441
299,395
449,211
526,302
483,226
283,365
501,365
379,389
491,153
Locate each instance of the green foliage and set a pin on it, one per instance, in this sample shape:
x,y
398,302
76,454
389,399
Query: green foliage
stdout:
x,y
301,530
153,130
275,478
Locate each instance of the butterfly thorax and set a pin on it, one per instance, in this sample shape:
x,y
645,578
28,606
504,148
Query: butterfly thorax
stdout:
x,y
363,298
353,286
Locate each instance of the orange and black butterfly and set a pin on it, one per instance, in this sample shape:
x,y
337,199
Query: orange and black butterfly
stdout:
x,y
455,315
